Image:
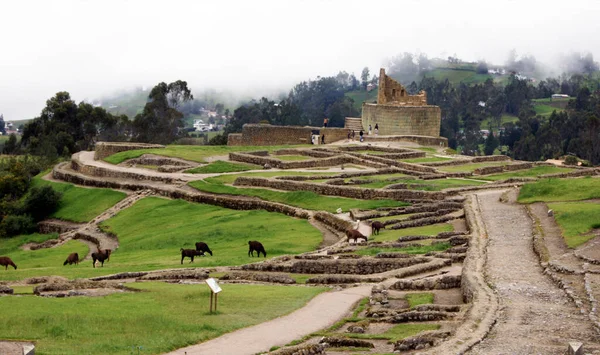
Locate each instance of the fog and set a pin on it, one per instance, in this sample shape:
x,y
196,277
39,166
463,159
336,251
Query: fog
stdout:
x,y
94,48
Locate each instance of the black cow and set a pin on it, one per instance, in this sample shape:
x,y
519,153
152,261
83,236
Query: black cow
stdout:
x,y
100,255
190,253
203,247
256,246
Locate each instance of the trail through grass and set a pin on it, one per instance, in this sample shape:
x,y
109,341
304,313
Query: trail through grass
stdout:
x,y
161,318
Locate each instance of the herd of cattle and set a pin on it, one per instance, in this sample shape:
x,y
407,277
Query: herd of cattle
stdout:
x,y
201,249
104,254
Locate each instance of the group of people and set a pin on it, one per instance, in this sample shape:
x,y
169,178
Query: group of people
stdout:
x,y
351,133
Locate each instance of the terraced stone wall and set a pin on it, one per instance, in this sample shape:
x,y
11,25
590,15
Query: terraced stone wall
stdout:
x,y
105,149
403,120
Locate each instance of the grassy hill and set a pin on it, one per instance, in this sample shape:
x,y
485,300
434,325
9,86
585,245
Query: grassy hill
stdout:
x,y
362,96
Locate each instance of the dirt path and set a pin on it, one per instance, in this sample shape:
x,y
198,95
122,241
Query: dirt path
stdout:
x,y
321,312
536,317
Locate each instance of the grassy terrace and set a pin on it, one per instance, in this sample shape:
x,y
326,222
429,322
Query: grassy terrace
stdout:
x,y
408,250
386,235
191,152
152,231
160,318
470,166
79,204
221,166
292,157
533,172
302,199
551,190
430,159
576,220
426,185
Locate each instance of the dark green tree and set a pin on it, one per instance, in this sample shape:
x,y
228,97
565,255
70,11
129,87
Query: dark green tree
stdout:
x,y
364,77
161,122
491,143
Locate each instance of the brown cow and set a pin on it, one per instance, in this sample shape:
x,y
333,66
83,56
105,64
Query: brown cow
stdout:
x,y
354,234
376,226
190,253
72,258
5,261
256,246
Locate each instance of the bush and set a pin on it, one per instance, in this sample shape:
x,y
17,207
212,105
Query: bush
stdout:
x,y
41,202
13,225
219,139
571,160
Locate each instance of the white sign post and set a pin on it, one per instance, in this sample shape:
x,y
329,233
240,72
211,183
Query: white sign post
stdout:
x,y
214,290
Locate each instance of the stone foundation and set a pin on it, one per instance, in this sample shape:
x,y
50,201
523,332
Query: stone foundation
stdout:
x,y
105,149
402,120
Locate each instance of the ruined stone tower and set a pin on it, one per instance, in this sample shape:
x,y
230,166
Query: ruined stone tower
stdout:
x,y
398,113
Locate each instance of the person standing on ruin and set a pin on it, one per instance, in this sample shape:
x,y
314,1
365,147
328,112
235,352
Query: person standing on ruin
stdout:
x,y
376,128
361,135
353,134
369,129
349,135
323,139
325,122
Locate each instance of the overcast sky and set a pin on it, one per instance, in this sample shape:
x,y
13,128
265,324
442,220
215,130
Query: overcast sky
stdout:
x,y
93,48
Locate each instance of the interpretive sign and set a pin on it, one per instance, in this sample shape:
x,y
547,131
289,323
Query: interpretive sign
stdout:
x,y
214,290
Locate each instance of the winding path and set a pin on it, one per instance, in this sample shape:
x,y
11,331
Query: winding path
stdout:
x,y
536,317
321,312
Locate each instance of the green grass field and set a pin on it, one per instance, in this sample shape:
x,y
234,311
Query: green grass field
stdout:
x,y
303,199
221,166
386,235
397,332
505,118
457,76
551,190
545,110
416,299
533,172
80,204
576,220
197,153
161,318
361,96
426,185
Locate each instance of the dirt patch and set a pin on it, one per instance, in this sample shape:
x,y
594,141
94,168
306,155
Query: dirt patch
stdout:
x,y
12,347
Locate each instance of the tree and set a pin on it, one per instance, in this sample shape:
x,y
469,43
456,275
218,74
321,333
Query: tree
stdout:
x,y
219,108
364,77
2,124
41,202
11,145
482,67
491,143
160,122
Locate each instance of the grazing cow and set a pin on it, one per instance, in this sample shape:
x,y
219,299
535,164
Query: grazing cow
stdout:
x,y
256,246
106,251
72,258
5,261
203,247
354,234
376,226
100,256
190,253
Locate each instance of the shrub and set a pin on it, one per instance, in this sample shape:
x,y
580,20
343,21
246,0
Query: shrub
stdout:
x,y
41,202
14,225
571,160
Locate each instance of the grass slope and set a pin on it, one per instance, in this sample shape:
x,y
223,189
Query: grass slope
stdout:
x,y
303,199
80,204
393,234
190,152
576,220
550,190
161,318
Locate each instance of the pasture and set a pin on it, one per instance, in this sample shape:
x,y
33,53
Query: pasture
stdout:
x,y
550,190
577,220
160,317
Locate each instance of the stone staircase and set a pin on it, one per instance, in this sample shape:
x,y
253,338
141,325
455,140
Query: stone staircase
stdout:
x,y
353,123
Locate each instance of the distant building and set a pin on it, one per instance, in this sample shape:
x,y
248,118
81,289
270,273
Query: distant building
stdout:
x,y
560,96
370,87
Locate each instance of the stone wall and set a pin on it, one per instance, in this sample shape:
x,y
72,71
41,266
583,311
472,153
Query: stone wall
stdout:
x,y
403,120
303,164
420,140
266,134
105,149
342,191
78,165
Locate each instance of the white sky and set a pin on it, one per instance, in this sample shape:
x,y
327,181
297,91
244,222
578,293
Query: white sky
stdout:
x,y
93,48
